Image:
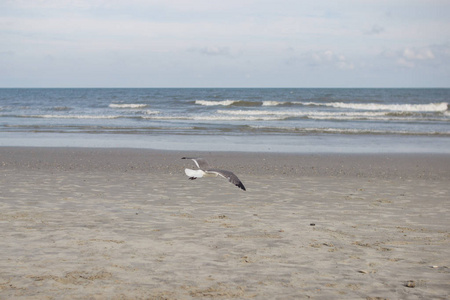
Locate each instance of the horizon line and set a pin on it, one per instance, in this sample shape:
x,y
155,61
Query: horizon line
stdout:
x,y
228,87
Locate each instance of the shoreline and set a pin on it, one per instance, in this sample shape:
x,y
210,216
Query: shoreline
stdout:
x,y
92,223
270,143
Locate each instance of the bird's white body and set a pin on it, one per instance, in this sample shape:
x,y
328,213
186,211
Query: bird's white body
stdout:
x,y
200,173
195,173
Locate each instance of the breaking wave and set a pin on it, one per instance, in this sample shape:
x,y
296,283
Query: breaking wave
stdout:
x,y
322,115
71,116
227,103
218,118
130,105
350,131
429,107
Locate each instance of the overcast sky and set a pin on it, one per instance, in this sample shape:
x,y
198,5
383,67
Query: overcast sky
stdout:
x,y
224,43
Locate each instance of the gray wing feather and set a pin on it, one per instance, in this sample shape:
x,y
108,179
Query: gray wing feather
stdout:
x,y
230,176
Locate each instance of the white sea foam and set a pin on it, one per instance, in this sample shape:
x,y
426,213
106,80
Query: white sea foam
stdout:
x,y
70,116
217,118
341,115
128,105
61,108
320,129
251,112
342,130
272,103
430,107
214,103
291,113
151,112
237,118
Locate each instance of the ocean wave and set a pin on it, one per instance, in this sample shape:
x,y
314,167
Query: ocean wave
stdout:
x,y
215,103
151,112
349,115
305,114
430,107
129,105
251,112
61,108
154,115
273,103
328,130
238,103
227,103
217,118
70,116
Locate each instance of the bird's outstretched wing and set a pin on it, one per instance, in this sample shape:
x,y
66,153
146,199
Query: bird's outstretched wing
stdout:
x,y
228,175
200,162
205,170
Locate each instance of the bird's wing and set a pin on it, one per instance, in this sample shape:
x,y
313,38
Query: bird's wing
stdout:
x,y
200,162
228,175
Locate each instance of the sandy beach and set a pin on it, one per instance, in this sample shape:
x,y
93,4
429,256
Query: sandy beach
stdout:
x,y
83,223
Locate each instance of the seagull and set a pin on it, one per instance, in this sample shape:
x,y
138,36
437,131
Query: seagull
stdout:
x,y
205,170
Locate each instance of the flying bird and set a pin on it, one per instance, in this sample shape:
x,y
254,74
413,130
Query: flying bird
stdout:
x,y
205,170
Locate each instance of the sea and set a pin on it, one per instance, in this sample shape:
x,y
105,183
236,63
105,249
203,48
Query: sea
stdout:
x,y
294,120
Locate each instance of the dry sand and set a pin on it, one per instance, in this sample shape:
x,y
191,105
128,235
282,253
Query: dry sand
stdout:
x,y
128,224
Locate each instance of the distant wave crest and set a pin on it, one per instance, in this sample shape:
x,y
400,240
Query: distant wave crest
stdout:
x,y
348,131
227,103
215,103
430,107
218,118
70,116
129,105
348,115
61,108
151,112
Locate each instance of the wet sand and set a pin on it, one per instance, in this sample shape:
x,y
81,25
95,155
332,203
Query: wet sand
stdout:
x,y
128,224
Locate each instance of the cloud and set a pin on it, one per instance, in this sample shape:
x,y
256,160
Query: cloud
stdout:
x,y
212,51
409,57
402,62
329,58
418,54
374,30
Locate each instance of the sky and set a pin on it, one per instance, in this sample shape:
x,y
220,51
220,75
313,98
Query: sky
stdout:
x,y
233,43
